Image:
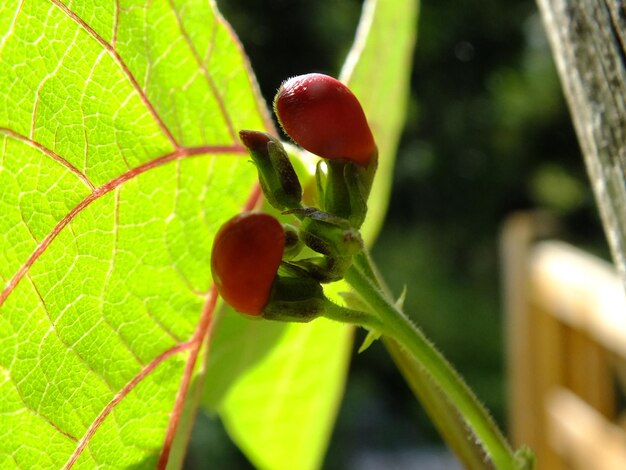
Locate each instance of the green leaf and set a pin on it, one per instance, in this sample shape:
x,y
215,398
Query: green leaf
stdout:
x,y
118,162
239,343
281,411
279,404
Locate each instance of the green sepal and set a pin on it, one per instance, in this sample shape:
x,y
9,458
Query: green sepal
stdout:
x,y
289,191
293,244
367,173
326,269
330,235
345,188
336,199
320,181
277,177
357,193
295,297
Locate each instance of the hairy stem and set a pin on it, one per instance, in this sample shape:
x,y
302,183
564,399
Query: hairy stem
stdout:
x,y
363,278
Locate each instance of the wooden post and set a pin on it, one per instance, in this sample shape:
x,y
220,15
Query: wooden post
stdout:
x,y
588,374
517,236
587,39
582,434
549,375
566,330
526,410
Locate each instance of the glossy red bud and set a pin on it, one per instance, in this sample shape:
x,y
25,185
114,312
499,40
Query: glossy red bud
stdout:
x,y
324,117
247,252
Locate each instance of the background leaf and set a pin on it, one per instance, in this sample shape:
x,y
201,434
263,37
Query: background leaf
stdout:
x,y
118,162
281,409
378,70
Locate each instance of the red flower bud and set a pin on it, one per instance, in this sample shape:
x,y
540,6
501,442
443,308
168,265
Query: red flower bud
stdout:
x,y
324,117
247,252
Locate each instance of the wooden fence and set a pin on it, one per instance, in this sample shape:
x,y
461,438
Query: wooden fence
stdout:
x,y
566,340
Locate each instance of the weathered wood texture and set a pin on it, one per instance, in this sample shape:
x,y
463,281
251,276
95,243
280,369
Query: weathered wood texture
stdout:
x,y
587,39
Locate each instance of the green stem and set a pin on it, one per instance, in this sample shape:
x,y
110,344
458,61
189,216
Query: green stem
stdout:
x,y
395,324
347,315
442,413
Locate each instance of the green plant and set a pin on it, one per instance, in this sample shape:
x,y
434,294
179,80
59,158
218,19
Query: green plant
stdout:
x,y
305,109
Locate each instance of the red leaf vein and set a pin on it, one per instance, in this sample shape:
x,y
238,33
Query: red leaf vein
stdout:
x,y
50,153
204,70
67,345
42,416
118,59
119,396
101,191
202,331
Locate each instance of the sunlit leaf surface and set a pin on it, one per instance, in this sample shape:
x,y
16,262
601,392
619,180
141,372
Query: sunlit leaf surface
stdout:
x,y
118,162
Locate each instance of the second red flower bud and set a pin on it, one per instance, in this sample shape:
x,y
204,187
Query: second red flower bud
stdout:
x,y
247,253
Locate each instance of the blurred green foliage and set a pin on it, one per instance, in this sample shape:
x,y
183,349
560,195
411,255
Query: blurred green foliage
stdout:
x,y
488,133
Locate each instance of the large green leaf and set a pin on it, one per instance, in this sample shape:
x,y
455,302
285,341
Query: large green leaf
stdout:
x,y
279,402
118,162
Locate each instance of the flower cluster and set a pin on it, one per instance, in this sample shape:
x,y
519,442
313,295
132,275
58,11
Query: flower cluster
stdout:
x,y
263,268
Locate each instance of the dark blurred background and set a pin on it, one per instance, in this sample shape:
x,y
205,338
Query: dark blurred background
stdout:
x,y
487,133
